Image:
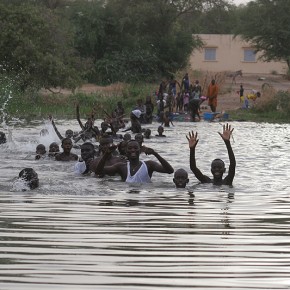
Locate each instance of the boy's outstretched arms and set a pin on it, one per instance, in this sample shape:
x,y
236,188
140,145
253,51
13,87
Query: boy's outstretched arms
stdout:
x,y
192,142
226,135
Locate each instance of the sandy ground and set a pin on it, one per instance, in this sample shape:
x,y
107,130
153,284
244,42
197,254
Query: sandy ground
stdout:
x,y
230,100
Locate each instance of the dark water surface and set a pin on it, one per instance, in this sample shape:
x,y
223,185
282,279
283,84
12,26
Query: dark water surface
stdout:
x,y
86,233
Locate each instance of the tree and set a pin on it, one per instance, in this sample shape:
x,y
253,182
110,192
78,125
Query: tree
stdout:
x,y
265,24
35,48
132,40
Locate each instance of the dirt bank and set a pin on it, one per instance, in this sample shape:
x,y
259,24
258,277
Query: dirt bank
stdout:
x,y
230,99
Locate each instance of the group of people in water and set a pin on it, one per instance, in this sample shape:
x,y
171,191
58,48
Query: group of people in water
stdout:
x,y
123,158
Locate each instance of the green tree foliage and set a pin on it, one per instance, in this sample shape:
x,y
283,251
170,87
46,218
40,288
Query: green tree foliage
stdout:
x,y
132,40
50,43
265,23
35,48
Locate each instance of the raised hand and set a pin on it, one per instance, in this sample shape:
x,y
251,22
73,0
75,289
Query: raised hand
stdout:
x,y
192,139
227,132
111,148
148,151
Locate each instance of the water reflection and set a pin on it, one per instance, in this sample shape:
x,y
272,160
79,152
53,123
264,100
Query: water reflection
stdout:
x,y
86,233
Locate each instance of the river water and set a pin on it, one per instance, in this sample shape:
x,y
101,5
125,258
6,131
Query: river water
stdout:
x,y
86,233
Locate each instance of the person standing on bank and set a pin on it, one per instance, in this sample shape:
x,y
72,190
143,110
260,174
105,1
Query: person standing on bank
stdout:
x,y
212,93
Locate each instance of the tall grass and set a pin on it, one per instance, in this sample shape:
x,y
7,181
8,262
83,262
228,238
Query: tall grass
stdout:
x,y
40,105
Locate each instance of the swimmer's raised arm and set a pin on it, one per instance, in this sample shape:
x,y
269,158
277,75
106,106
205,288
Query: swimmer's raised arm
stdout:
x,y
163,167
226,135
78,117
101,168
55,129
192,142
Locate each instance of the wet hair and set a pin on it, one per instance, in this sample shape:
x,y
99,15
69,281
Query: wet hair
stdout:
x,y
122,147
147,133
104,125
127,137
88,144
160,128
182,171
218,160
53,144
106,139
139,136
65,139
130,141
69,133
30,176
2,137
41,147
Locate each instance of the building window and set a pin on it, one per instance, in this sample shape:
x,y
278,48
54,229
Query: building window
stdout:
x,y
210,54
249,55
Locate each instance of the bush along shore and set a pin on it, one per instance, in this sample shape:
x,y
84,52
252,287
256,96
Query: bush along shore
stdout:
x,y
273,106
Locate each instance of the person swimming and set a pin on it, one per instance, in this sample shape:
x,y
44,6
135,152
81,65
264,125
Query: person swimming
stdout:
x,y
134,171
30,178
180,178
40,152
3,139
217,165
87,157
66,155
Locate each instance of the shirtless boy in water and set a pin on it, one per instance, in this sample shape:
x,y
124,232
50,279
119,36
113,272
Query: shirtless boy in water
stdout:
x,y
66,155
180,178
134,171
105,143
217,165
87,157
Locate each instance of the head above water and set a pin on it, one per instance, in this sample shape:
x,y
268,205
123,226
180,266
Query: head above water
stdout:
x,y
87,151
139,138
69,133
127,137
160,129
180,178
30,177
53,147
2,138
66,145
133,149
40,149
218,168
147,133
122,146
104,126
105,142
106,139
